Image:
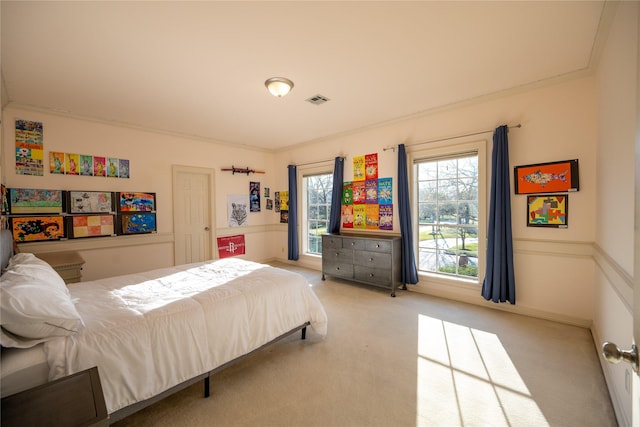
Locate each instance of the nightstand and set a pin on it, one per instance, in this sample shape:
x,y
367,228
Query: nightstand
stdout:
x,y
76,400
68,264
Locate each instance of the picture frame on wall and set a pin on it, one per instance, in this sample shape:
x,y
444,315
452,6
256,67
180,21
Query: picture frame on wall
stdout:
x,y
547,210
553,177
85,202
37,228
137,223
83,226
132,201
36,201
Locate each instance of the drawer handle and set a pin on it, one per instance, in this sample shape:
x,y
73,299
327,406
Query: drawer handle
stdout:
x,y
377,246
370,274
337,268
353,243
337,254
371,259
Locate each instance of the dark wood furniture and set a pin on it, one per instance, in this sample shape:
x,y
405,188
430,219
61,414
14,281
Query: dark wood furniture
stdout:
x,y
371,259
76,400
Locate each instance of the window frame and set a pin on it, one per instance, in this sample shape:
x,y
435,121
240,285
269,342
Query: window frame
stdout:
x,y
444,150
325,169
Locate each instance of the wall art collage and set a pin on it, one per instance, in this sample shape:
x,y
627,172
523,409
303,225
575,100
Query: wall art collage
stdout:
x,y
30,157
367,202
539,182
43,214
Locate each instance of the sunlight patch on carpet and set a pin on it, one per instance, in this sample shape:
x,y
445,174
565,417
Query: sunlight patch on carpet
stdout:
x,y
466,378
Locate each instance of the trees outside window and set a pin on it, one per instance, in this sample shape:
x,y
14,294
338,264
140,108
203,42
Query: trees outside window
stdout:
x,y
447,190
317,207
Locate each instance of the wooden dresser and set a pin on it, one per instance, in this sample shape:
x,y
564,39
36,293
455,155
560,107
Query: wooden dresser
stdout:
x,y
371,259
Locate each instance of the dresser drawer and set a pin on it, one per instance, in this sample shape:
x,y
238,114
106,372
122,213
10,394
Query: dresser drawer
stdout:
x,y
333,255
338,269
330,242
372,259
378,245
376,276
353,243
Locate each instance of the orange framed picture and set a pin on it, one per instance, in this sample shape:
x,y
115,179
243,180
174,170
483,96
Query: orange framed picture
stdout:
x,y
553,177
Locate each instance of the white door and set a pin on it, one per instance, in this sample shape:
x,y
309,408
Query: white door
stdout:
x,y
193,223
612,352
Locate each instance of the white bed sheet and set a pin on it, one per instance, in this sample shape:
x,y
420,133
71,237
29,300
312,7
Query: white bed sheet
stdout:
x,y
22,369
151,331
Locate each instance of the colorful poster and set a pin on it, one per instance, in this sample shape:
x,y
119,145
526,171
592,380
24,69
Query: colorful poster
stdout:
x,y
237,210
56,163
99,166
359,192
37,228
347,193
86,165
229,246
35,201
137,202
347,216
138,223
113,166
29,148
284,201
384,191
284,216
123,168
90,202
371,166
386,217
72,164
373,217
358,168
254,197
359,216
371,188
276,201
92,226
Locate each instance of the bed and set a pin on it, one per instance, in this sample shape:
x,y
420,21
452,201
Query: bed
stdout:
x,y
150,334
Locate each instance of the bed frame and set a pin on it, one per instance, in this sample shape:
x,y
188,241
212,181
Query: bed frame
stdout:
x,y
8,248
131,409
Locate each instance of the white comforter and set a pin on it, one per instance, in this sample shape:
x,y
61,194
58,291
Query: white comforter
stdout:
x,y
151,331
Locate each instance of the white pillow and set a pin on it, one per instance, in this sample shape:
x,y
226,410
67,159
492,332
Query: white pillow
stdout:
x,y
35,305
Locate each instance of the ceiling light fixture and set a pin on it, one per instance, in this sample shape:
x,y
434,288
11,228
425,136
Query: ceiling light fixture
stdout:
x,y
279,86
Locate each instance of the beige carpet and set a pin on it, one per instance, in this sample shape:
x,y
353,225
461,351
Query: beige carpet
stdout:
x,y
412,360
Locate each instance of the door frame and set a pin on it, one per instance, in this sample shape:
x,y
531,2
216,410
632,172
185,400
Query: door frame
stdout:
x,y
177,169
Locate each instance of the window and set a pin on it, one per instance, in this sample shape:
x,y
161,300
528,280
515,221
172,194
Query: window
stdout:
x,y
317,190
449,214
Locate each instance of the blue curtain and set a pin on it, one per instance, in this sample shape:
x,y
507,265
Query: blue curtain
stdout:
x,y
293,213
409,271
336,196
499,282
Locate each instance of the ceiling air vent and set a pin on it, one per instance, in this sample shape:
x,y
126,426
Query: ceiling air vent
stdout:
x,y
317,99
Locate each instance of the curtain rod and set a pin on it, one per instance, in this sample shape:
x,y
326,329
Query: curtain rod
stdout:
x,y
318,161
450,137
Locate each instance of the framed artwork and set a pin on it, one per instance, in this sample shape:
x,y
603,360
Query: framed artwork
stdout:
x,y
35,201
547,210
137,223
80,226
136,202
554,177
37,228
56,163
86,165
80,202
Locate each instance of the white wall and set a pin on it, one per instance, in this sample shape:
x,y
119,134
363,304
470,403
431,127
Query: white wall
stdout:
x,y
151,156
554,267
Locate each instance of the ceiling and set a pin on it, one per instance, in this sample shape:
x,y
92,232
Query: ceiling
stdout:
x,y
198,68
